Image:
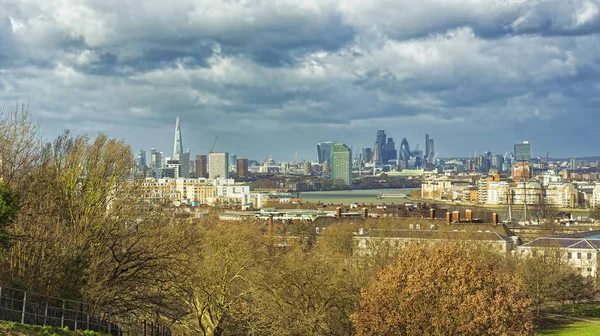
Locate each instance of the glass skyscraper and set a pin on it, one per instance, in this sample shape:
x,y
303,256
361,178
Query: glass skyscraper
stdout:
x,y
523,152
323,152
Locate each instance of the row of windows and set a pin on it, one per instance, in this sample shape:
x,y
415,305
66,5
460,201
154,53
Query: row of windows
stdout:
x,y
570,255
418,226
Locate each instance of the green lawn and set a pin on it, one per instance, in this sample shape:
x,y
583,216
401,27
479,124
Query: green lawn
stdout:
x,y
571,328
17,329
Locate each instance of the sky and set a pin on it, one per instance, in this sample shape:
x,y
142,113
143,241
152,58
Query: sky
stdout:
x,y
274,77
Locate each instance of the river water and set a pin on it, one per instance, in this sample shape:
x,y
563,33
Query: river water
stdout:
x,y
359,196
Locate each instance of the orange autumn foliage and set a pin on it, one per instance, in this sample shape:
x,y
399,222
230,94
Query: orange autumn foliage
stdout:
x,y
445,289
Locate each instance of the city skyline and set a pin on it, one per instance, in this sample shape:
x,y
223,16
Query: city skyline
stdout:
x,y
475,76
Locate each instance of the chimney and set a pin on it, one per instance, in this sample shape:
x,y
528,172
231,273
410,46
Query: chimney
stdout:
x,y
469,215
448,218
361,231
270,225
432,214
338,212
494,219
456,216
365,213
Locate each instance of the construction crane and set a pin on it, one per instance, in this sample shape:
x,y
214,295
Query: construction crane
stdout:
x,y
435,157
505,155
213,145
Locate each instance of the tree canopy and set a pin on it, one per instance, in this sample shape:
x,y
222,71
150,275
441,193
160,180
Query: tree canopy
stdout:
x,y
445,289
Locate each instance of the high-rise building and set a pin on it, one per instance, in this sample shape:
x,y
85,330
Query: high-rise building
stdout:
x,y
379,149
218,165
242,168
404,152
390,148
523,152
367,155
429,149
323,152
498,162
573,163
201,170
156,159
177,144
306,168
141,159
233,161
184,161
341,163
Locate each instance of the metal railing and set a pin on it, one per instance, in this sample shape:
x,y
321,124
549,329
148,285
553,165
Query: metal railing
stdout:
x,y
30,308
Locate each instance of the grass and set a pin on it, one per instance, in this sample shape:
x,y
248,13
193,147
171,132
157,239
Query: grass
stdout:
x,y
17,329
575,328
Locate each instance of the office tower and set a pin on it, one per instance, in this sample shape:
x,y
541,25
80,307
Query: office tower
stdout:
x,y
390,148
404,152
429,149
201,171
574,163
498,162
379,149
152,163
141,159
218,165
242,168
156,159
233,161
323,152
367,154
306,168
341,163
184,161
523,152
177,144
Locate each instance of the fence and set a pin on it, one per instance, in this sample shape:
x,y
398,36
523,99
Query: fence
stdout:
x,y
30,308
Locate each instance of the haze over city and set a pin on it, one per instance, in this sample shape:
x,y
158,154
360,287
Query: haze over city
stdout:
x,y
476,75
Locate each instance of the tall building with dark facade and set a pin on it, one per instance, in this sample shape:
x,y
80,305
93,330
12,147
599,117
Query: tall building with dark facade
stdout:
x,y
242,167
323,151
523,152
379,149
367,155
391,153
429,149
201,166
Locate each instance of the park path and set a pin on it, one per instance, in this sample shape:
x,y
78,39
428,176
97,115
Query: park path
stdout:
x,y
576,318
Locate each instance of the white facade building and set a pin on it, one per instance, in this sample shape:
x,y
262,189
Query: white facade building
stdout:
x,y
497,192
218,165
595,202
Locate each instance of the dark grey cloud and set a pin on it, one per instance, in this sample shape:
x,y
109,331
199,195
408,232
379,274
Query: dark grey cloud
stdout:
x,y
273,77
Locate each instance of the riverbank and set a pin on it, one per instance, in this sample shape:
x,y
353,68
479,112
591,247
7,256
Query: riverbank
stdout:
x,y
359,196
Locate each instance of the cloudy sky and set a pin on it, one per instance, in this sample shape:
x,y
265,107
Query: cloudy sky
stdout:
x,y
272,77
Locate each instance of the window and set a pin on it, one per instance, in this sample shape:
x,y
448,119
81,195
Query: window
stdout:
x,y
589,270
569,255
534,253
411,226
578,255
418,226
589,256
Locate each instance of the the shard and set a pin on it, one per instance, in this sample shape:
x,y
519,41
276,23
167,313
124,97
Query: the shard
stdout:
x,y
178,145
